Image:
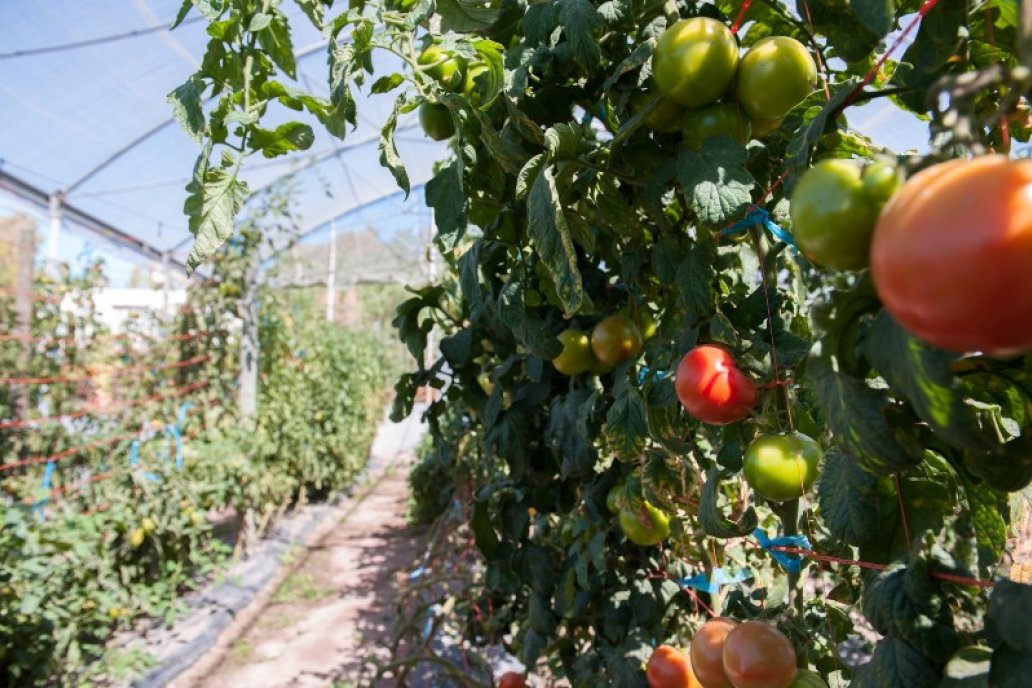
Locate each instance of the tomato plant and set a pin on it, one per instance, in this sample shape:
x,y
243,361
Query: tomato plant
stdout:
x,y
559,204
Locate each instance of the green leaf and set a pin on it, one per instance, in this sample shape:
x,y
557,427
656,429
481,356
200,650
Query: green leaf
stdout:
x,y
714,180
525,323
637,59
1010,668
446,195
877,16
469,279
694,279
713,522
465,16
528,175
848,499
626,428
184,10
851,37
483,532
815,123
581,23
896,664
186,107
259,21
275,41
387,83
563,140
1009,618
550,232
389,156
313,9
215,196
987,507
292,136
457,348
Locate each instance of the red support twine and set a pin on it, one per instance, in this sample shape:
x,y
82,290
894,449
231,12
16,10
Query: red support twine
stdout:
x,y
949,577
741,16
94,372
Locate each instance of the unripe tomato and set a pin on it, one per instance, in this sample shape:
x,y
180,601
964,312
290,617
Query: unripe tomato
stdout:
x,y
881,182
807,679
470,87
484,380
762,127
147,525
668,667
644,524
511,679
952,252
576,357
695,61
446,69
782,467
775,75
436,121
613,498
707,652
647,324
832,217
616,339
136,538
712,388
714,120
759,656
666,117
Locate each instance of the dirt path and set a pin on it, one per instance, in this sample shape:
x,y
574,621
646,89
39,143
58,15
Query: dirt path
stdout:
x,y
337,606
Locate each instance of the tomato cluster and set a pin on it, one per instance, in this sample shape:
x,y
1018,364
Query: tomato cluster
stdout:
x,y
454,74
696,67
613,340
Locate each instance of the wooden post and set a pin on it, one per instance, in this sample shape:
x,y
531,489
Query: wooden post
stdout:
x,y
247,396
23,229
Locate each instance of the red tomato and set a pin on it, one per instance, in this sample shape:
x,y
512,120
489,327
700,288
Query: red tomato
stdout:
x,y
712,388
952,252
668,667
511,679
759,656
707,652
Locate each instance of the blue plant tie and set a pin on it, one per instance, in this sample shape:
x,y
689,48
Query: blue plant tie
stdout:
x,y
178,432
644,373
48,476
719,578
792,563
759,216
134,453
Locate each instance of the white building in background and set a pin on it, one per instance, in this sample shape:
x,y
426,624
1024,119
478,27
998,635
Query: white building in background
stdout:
x,y
115,306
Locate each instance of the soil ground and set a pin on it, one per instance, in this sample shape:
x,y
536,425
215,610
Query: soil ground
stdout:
x,y
335,611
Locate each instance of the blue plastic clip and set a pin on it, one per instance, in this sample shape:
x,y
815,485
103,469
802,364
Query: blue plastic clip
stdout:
x,y
719,578
134,460
759,216
178,432
644,373
792,563
40,505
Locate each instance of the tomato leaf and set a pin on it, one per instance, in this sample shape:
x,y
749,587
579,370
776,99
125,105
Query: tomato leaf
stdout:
x,y
389,156
1009,618
445,193
215,197
185,100
714,180
581,23
550,232
465,16
274,38
713,521
626,428
848,498
292,136
896,664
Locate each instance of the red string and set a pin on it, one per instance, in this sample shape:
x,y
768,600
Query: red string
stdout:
x,y
949,577
113,337
32,422
91,373
820,60
653,575
73,451
902,511
741,16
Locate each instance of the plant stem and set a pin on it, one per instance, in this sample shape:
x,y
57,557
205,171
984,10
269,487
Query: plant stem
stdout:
x,y
790,524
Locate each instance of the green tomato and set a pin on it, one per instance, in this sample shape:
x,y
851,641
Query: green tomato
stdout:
x,y
775,75
647,324
644,524
782,467
446,69
714,120
665,118
484,380
832,217
436,121
470,87
762,127
880,182
400,5
616,339
695,61
575,357
613,498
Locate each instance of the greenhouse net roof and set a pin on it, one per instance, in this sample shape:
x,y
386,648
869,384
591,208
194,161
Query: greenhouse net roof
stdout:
x,y
83,87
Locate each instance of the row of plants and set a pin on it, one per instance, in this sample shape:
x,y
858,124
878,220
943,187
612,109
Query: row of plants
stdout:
x,y
108,515
738,360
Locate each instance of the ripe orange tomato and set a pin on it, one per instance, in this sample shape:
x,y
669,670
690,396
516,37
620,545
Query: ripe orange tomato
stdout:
x,y
712,388
759,656
951,254
511,679
668,667
707,652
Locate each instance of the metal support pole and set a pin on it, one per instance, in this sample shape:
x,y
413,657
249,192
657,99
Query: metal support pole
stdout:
x,y
247,394
25,236
331,275
54,235
167,277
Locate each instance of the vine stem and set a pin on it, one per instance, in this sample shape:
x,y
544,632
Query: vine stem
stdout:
x,y
790,523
